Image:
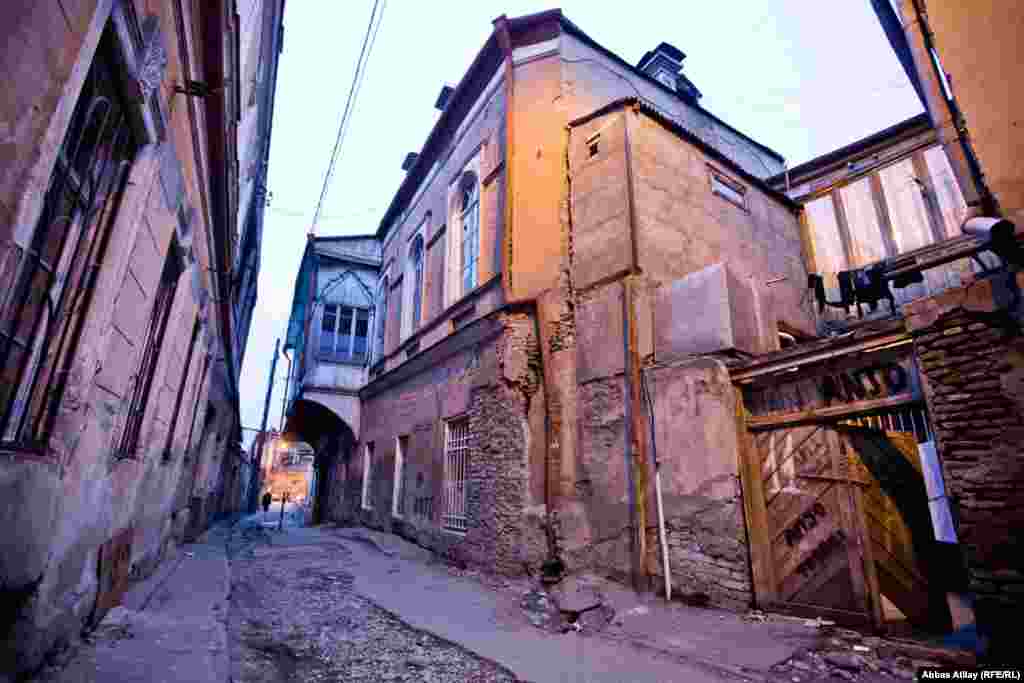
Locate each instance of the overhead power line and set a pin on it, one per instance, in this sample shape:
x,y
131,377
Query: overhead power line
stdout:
x,y
353,93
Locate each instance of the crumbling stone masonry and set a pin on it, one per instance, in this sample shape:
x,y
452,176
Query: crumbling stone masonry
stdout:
x,y
971,354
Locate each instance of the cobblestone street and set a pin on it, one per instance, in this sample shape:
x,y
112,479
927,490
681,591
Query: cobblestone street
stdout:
x,y
294,616
251,603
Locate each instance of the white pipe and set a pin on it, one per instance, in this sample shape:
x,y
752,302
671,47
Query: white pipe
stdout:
x,y
661,532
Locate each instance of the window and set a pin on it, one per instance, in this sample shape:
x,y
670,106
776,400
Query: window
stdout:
x,y
45,283
416,268
885,210
382,316
728,189
469,215
398,495
181,391
343,332
158,317
456,461
367,499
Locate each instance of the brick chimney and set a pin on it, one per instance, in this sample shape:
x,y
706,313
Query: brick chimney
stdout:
x,y
665,65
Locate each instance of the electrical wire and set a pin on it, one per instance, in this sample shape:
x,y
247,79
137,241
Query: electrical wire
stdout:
x,y
357,80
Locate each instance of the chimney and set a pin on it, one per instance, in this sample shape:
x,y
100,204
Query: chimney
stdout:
x,y
442,97
409,160
665,65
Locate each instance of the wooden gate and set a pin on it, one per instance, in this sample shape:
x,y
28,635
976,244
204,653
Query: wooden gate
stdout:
x,y
814,510
832,483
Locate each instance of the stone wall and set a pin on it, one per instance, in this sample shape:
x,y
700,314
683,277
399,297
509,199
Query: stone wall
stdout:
x,y
971,354
491,377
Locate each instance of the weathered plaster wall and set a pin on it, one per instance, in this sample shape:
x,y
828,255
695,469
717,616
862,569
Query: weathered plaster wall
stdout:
x,y
977,42
641,216
60,505
971,356
695,430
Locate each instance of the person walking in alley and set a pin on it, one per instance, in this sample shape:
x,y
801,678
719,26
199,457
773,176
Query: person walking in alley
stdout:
x,y
266,500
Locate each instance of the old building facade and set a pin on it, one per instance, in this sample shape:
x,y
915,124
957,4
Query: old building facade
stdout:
x,y
611,333
133,178
532,265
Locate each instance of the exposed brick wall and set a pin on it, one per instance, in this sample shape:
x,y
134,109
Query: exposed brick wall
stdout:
x,y
971,355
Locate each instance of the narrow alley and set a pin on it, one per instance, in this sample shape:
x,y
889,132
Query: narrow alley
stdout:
x,y
494,341
251,602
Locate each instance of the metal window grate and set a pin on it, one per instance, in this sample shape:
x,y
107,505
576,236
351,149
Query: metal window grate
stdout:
x,y
456,462
46,284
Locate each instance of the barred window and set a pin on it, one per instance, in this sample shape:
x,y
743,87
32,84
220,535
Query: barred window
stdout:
x,y
157,328
46,284
456,463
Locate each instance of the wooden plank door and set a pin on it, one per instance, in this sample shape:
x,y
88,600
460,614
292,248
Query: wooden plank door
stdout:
x,y
815,535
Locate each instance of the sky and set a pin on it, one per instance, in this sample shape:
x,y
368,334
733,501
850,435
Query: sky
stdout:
x,y
803,77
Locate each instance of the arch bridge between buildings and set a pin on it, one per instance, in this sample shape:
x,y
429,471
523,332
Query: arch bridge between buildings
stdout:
x,y
332,437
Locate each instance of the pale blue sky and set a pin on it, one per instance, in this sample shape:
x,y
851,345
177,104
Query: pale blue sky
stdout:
x,y
801,76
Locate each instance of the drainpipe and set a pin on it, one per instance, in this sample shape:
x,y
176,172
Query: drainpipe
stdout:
x,y
947,119
287,383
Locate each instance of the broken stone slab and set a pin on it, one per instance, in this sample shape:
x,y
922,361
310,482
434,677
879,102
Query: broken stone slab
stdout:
x,y
571,595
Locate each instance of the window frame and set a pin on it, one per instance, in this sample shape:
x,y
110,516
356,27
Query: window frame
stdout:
x,y
417,267
149,360
398,484
336,355
732,191
366,498
469,208
90,187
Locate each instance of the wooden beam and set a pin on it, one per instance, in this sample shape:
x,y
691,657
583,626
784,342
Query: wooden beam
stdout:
x,y
755,512
829,413
800,358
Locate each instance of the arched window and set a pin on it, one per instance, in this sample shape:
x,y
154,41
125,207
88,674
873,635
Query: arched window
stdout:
x,y
416,270
382,317
470,220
